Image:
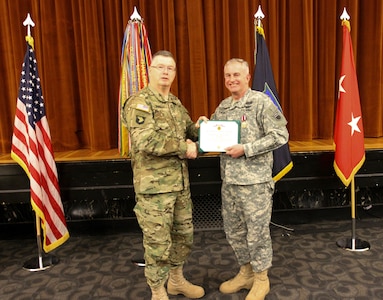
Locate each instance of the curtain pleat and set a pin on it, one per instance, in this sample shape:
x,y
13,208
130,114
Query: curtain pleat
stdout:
x,y
78,48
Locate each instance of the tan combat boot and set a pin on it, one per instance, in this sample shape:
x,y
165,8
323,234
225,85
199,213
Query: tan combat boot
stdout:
x,y
243,280
159,293
177,284
261,287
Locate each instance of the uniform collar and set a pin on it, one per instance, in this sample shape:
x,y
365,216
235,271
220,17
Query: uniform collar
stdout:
x,y
236,103
160,97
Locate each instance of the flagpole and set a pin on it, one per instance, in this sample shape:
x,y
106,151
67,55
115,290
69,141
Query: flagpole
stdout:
x,y
136,58
352,244
258,29
40,262
136,17
39,245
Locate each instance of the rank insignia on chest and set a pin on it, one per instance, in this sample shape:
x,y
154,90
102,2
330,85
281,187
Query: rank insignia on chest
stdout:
x,y
140,120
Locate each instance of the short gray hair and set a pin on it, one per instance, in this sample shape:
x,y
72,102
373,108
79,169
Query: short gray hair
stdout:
x,y
241,61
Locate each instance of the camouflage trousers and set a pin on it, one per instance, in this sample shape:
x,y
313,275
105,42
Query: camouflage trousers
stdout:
x,y
167,227
246,213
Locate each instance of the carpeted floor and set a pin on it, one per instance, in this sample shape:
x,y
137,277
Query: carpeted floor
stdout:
x,y
307,264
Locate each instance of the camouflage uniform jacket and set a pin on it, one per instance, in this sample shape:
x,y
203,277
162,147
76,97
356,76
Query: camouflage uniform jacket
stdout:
x,y
158,131
263,129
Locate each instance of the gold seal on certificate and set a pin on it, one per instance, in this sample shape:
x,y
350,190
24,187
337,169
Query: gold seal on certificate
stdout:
x,y
215,136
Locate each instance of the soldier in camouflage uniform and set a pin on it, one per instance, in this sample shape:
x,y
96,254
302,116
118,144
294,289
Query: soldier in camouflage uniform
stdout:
x,y
247,184
161,135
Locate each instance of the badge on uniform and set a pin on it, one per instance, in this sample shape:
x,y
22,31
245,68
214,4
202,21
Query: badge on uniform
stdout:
x,y
244,121
277,116
140,120
142,107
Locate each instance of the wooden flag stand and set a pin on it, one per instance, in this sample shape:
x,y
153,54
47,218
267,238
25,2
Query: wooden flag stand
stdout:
x,y
41,262
353,244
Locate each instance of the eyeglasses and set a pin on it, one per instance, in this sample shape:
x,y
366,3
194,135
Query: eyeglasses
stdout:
x,y
162,68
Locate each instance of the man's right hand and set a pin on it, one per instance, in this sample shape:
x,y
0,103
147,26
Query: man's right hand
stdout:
x,y
191,151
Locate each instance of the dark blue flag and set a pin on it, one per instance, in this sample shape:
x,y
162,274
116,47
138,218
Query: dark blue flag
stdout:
x,y
263,80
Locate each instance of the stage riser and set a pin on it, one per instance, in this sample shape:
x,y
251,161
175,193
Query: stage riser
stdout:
x,y
103,189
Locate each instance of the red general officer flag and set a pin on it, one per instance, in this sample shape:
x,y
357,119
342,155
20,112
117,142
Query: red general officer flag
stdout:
x,y
348,134
32,150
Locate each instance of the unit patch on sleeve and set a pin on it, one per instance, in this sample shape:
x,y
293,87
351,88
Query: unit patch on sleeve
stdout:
x,y
139,114
140,119
274,114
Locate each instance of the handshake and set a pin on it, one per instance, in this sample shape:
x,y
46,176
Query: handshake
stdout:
x,y
192,148
191,151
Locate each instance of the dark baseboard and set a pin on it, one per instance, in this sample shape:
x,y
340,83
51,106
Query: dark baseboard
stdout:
x,y
98,196
104,227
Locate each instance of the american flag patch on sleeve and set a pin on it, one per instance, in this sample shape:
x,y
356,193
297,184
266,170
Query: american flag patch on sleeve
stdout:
x,y
142,107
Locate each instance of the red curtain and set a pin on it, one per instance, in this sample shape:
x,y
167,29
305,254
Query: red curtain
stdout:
x,y
78,48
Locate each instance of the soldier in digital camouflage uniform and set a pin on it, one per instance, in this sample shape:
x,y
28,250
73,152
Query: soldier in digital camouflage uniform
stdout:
x,y
161,134
247,184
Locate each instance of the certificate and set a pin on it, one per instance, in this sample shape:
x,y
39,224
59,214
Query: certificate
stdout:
x,y
215,136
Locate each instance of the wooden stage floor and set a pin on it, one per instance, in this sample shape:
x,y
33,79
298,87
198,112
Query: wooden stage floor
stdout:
x,y
112,154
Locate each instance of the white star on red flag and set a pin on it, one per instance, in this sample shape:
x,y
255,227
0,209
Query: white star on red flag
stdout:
x,y
354,124
341,88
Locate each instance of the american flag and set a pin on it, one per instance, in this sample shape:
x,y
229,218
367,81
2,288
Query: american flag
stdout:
x,y
32,150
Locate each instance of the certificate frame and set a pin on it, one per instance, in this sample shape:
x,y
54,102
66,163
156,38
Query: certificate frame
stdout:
x,y
216,135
